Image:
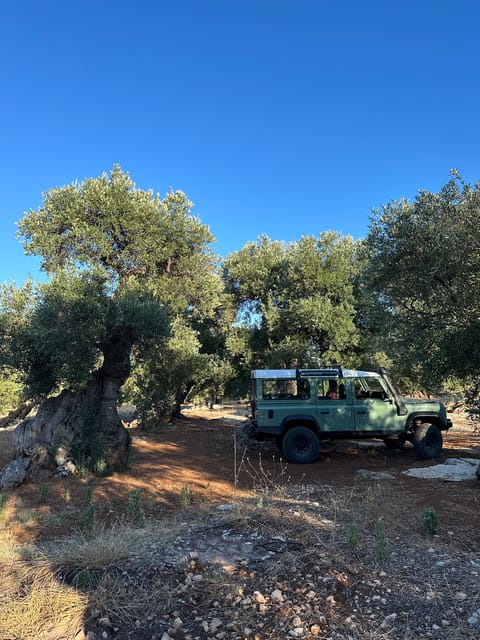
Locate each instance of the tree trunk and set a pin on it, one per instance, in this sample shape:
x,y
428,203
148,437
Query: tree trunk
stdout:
x,y
16,414
80,428
180,397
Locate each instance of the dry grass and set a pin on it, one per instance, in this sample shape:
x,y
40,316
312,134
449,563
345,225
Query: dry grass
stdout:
x,y
35,604
107,547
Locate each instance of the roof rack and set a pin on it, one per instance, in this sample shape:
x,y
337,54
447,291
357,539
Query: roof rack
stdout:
x,y
320,373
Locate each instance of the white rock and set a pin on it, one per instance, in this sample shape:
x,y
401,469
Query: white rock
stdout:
x,y
473,620
104,622
277,596
215,623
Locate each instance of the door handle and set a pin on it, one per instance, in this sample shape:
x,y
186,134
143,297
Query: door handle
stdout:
x,y
324,413
363,413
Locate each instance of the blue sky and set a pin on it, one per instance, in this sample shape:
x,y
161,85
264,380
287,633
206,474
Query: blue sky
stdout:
x,y
283,117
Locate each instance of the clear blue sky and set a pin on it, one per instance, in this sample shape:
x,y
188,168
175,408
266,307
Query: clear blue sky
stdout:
x,y
284,117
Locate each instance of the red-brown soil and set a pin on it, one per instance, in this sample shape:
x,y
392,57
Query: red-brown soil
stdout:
x,y
199,452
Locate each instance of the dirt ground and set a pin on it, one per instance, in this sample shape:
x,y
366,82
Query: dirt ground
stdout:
x,y
238,545
200,453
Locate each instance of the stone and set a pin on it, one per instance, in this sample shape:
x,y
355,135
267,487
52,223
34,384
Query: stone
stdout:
x,y
13,473
453,470
277,596
365,474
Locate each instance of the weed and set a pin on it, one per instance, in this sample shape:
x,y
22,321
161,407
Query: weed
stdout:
x,y
42,494
101,467
381,542
264,481
87,518
89,491
185,497
353,536
59,518
81,463
134,508
430,521
3,507
85,579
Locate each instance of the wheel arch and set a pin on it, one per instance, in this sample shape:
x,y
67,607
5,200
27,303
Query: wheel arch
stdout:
x,y
299,421
416,419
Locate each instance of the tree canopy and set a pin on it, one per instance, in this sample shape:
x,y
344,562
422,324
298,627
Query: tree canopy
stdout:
x,y
422,277
295,301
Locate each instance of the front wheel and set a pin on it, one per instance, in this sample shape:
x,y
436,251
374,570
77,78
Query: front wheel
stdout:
x,y
300,445
428,441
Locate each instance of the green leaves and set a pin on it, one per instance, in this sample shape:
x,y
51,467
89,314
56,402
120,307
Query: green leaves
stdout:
x,y
297,300
123,263
422,278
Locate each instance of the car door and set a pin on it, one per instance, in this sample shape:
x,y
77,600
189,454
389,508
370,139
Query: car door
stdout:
x,y
373,406
334,406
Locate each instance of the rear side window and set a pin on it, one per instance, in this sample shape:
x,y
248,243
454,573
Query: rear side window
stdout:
x,y
330,389
285,389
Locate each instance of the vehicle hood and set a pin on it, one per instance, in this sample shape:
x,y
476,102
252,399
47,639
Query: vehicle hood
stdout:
x,y
432,405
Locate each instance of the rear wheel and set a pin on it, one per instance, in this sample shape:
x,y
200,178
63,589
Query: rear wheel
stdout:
x,y
300,445
428,441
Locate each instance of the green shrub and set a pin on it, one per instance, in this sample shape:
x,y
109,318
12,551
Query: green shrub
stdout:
x,y
430,521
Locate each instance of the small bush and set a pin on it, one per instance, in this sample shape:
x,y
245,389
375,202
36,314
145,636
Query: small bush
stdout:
x,y
430,521
353,536
42,494
185,497
134,507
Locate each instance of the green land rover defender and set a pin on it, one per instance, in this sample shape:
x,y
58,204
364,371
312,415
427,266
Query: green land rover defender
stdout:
x,y
302,407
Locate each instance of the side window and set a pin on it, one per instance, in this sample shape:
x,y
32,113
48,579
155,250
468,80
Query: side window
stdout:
x,y
369,388
285,389
329,389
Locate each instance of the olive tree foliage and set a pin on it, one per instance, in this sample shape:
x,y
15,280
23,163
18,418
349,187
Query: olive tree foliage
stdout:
x,y
295,301
122,264
421,283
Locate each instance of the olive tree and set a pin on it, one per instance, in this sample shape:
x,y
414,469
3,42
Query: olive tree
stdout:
x,y
421,282
295,301
122,264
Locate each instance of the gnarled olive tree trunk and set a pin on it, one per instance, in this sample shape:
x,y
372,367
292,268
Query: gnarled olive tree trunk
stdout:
x,y
78,428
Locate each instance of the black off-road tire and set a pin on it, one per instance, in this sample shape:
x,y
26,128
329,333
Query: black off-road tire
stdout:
x,y
300,445
428,441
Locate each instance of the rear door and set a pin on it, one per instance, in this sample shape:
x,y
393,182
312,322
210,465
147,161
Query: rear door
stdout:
x,y
334,405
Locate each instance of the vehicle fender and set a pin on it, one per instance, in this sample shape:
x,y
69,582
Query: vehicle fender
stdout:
x,y
424,416
299,420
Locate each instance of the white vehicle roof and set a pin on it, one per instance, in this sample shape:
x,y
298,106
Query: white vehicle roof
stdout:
x,y
290,374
